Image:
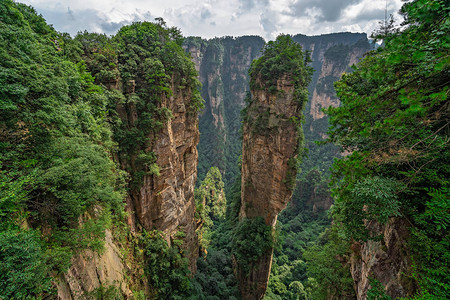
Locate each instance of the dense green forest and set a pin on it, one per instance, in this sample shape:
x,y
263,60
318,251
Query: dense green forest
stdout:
x,y
65,150
79,114
393,122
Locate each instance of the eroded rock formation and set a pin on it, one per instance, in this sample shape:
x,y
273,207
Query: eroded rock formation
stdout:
x,y
387,261
269,148
165,201
267,171
271,143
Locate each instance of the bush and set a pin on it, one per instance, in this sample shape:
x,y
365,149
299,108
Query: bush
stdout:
x,y
23,270
251,239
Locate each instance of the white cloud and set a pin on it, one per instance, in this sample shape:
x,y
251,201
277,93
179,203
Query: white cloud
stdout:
x,y
210,18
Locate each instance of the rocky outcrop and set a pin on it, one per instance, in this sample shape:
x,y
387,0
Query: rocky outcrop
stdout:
x,y
271,144
223,65
386,261
269,151
90,272
337,59
165,200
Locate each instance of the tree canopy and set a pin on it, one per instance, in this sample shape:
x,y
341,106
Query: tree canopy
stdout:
x,y
394,125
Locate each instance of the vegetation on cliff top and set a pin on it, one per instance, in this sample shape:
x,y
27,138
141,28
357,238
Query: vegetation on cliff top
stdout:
x,y
281,57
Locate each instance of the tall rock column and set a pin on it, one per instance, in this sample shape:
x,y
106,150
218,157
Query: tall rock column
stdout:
x,y
158,133
272,141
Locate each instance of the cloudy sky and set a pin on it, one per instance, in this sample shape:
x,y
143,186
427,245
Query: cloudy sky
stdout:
x,y
211,18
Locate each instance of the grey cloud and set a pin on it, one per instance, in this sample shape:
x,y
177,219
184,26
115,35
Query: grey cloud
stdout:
x,y
268,24
91,20
205,13
246,6
331,10
70,14
375,14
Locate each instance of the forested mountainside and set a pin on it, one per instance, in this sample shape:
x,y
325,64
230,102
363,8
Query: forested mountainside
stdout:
x,y
223,64
99,197
98,161
392,190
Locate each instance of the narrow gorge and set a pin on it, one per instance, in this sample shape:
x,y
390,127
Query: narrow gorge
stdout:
x,y
148,165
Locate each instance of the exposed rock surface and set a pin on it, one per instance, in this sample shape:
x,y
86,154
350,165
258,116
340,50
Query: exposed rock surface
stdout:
x,y
269,151
332,69
166,201
90,271
223,65
266,151
386,261
163,201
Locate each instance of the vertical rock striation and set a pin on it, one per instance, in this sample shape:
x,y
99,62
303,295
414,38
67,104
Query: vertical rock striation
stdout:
x,y
223,65
154,96
387,261
165,201
270,146
272,140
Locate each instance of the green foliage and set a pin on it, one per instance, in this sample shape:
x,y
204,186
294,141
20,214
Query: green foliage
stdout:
x,y
223,59
14,190
210,204
338,54
79,177
372,198
251,239
211,196
109,292
376,291
280,57
23,268
55,147
165,267
325,264
215,272
215,275
63,119
394,121
300,226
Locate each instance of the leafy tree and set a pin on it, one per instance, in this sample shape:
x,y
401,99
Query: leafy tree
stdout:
x,y
165,267
280,57
394,123
55,151
210,202
325,264
23,266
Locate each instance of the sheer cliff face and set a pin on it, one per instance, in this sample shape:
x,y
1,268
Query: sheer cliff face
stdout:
x,y
90,271
336,60
387,261
269,144
223,65
161,200
165,201
270,141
